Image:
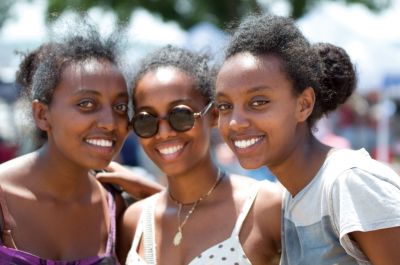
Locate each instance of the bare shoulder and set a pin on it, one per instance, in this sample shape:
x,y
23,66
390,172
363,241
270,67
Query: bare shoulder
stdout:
x,y
16,168
269,192
240,182
132,213
270,195
268,210
265,214
128,225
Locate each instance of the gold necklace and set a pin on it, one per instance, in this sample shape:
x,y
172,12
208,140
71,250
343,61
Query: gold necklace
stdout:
x,y
179,235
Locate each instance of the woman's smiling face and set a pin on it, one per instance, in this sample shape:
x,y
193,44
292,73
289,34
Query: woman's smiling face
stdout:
x,y
87,118
157,92
258,111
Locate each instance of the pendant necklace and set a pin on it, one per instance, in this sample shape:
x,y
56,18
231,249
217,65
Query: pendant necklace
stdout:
x,y
178,236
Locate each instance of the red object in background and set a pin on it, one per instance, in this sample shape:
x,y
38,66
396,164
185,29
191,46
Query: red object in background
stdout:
x,y
391,155
7,151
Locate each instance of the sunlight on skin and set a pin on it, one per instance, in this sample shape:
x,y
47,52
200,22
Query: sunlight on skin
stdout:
x,y
165,75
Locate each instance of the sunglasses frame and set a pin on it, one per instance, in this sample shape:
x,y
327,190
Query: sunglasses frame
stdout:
x,y
166,117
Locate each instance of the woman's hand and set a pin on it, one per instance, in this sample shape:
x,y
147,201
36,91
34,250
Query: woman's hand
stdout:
x,y
138,187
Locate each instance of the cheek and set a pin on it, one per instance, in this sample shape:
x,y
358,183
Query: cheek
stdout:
x,y
148,150
223,124
123,127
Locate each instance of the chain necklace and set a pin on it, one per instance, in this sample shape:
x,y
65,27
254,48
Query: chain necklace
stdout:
x,y
178,236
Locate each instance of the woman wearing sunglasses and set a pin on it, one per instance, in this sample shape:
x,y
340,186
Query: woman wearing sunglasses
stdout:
x,y
204,215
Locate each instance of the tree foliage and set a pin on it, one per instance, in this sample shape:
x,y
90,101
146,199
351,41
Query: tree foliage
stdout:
x,y
187,12
5,6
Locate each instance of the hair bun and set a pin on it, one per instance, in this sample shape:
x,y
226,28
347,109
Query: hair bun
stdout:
x,y
338,78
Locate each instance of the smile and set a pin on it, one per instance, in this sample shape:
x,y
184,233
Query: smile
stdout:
x,y
171,150
100,142
246,143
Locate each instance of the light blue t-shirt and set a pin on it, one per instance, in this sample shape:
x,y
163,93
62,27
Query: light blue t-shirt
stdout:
x,y
351,192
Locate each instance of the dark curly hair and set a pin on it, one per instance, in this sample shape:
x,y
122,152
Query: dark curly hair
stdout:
x,y
40,70
338,77
29,64
78,47
324,67
194,64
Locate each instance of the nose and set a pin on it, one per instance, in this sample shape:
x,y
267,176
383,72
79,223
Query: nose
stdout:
x,y
106,119
164,129
238,120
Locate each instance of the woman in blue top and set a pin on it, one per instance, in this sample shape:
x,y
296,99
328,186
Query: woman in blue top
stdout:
x,y
341,206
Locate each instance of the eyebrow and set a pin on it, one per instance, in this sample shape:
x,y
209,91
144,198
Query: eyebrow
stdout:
x,y
257,88
182,101
250,90
88,91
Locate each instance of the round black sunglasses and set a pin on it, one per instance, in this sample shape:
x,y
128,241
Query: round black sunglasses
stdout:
x,y
181,118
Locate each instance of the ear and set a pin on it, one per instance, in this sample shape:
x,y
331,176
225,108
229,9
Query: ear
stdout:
x,y
305,104
40,115
214,113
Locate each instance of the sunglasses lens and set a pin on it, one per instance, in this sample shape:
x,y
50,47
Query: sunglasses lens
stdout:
x,y
145,125
181,119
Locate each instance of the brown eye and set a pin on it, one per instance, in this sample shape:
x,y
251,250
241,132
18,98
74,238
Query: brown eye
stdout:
x,y
121,108
86,104
258,102
223,106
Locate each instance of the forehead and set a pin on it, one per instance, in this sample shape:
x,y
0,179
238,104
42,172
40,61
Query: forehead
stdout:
x,y
92,71
246,70
90,67
92,75
166,84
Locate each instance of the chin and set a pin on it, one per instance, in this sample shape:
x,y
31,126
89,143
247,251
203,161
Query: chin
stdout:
x,y
100,164
250,163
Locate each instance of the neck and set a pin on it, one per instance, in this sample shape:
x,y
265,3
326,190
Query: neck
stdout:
x,y
62,179
301,166
187,188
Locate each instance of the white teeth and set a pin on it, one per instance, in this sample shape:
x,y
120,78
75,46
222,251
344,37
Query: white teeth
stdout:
x,y
100,142
170,150
246,143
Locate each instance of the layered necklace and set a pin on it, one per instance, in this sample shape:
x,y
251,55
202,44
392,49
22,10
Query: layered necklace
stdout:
x,y
178,236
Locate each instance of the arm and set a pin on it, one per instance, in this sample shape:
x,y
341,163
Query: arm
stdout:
x,y
380,246
126,230
138,186
366,207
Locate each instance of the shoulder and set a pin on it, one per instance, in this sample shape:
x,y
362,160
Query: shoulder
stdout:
x,y
355,167
132,214
268,203
269,194
16,168
266,209
239,182
128,225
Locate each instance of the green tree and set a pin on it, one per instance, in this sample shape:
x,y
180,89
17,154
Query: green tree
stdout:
x,y
187,12
5,6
